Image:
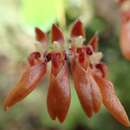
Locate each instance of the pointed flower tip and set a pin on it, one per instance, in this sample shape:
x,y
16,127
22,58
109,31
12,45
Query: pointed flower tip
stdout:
x,y
77,29
61,120
96,36
125,122
57,34
6,108
94,41
128,124
40,35
6,104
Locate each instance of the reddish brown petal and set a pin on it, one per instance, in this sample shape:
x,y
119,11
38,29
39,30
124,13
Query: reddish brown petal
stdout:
x,y
77,29
57,34
27,83
58,100
111,101
125,34
40,35
87,89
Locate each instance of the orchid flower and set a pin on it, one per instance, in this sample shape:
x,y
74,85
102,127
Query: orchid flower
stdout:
x,y
88,72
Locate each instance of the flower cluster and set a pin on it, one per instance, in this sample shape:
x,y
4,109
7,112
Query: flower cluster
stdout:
x,y
88,72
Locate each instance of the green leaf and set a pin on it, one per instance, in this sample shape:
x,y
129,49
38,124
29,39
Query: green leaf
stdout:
x,y
43,13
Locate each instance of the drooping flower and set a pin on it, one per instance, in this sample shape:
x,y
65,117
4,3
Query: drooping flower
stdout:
x,y
88,72
90,79
85,85
58,99
33,73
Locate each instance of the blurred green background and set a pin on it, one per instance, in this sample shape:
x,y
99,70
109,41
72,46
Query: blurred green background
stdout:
x,y
17,21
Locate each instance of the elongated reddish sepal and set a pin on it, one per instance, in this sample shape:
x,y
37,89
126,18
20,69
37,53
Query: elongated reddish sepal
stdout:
x,y
27,83
57,34
87,89
125,34
77,29
40,35
111,101
58,100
